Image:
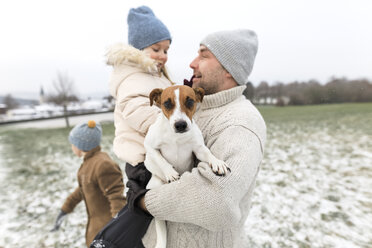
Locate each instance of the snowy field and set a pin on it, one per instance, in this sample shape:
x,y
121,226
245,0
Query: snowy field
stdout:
x,y
314,188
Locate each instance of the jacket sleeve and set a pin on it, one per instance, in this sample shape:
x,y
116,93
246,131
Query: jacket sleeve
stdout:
x,y
110,181
204,199
72,200
134,104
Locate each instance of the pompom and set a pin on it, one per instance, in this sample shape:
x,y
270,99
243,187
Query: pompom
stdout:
x,y
91,124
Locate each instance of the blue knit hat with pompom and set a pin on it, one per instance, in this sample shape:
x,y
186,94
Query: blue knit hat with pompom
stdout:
x,y
145,29
86,136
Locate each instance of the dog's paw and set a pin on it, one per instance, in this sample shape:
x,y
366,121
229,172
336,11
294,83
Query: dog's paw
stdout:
x,y
219,167
171,175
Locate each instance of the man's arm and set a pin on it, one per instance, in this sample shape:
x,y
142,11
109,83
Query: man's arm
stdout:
x,y
207,200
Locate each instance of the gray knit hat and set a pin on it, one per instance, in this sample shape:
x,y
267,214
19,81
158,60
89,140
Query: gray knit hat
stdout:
x,y
144,28
235,50
86,136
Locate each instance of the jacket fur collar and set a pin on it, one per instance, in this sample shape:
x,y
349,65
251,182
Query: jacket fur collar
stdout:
x,y
124,54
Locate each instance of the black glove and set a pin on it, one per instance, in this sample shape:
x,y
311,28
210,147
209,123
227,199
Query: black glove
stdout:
x,y
139,173
59,220
138,177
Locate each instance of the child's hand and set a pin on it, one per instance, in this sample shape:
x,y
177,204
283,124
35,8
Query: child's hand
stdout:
x,y
135,193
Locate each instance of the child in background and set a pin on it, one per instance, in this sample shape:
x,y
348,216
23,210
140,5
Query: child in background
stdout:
x,y
100,181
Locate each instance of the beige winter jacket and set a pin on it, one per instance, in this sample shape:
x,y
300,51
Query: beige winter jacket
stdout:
x,y
134,76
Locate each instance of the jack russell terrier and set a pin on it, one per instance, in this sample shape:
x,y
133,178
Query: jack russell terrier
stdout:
x,y
173,139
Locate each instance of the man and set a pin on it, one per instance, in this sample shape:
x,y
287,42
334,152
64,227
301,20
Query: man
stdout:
x,y
203,209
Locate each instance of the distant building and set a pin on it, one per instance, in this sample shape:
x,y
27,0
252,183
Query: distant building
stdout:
x,y
24,113
41,96
49,110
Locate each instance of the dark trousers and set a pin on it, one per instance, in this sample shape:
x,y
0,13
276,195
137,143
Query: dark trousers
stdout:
x,y
124,231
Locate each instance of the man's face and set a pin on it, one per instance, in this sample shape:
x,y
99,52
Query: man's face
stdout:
x,y
208,72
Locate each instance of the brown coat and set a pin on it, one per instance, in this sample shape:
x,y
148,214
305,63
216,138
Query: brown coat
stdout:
x,y
101,187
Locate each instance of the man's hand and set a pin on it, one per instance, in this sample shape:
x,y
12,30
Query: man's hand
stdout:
x,y
141,203
59,220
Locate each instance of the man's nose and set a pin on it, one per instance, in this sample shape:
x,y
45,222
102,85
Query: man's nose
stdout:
x,y
194,63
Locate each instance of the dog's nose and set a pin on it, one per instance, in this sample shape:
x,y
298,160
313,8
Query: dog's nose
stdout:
x,y
180,126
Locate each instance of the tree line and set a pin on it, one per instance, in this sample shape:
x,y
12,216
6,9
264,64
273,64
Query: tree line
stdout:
x,y
63,94
336,90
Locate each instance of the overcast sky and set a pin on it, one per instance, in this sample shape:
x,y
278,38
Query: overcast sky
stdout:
x,y
298,39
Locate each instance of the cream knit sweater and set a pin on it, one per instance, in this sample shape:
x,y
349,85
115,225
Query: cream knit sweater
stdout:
x,y
202,209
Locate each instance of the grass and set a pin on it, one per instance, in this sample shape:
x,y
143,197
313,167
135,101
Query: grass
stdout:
x,y
354,116
38,171
313,182
26,146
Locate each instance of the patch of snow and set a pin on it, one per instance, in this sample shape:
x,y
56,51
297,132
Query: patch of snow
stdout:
x,y
313,190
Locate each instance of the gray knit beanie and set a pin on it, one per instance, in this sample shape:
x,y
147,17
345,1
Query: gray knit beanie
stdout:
x,y
144,28
235,50
86,136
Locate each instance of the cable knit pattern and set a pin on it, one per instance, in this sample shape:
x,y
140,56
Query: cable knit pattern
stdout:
x,y
202,209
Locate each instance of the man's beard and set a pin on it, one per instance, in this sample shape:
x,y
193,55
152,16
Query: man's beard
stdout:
x,y
210,83
209,88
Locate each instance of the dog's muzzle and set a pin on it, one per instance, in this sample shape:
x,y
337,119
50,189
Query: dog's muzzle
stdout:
x,y
180,126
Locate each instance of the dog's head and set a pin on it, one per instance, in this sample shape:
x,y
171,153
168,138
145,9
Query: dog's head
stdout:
x,y
178,104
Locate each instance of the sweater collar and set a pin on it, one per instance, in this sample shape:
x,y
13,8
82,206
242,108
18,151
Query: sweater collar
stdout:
x,y
223,97
92,152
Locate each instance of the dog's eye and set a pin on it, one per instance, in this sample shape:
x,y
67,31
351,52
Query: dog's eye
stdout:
x,y
168,104
189,103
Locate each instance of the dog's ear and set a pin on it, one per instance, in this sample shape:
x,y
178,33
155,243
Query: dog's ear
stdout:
x,y
199,93
155,96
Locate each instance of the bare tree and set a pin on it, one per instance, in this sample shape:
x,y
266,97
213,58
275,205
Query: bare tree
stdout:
x,y
64,93
249,91
262,91
10,102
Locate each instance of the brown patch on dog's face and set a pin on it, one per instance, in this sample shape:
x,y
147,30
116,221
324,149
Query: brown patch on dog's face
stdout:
x,y
188,99
167,102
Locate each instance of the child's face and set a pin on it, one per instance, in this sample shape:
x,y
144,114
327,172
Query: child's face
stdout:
x,y
77,151
159,52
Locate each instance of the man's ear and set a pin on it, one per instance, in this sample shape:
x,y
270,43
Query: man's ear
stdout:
x,y
199,93
155,96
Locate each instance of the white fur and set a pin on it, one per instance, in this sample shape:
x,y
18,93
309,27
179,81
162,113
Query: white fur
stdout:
x,y
126,54
165,148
